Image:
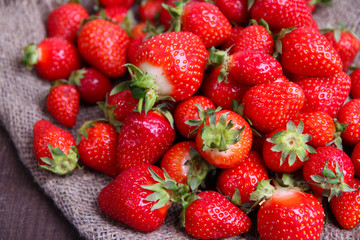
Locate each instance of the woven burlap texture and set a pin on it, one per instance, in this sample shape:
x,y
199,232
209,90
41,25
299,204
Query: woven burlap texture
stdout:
x,y
22,103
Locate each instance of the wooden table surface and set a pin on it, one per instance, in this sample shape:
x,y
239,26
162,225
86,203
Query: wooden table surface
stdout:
x,y
25,211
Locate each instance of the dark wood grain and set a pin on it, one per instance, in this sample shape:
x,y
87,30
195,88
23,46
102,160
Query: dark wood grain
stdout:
x,y
25,211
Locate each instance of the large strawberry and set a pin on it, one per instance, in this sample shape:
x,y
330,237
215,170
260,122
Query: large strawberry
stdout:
x,y
225,139
307,52
54,148
53,58
355,83
63,103
65,20
349,114
287,213
211,216
271,105
103,44
97,143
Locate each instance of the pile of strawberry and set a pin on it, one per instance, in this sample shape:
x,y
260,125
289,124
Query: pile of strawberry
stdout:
x,y
225,108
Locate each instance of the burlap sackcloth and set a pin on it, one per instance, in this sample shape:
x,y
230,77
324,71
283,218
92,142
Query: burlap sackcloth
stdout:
x,y
22,103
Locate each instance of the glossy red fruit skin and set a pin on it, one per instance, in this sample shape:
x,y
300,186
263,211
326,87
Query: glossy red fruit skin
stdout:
x,y
112,3
350,113
186,110
102,158
124,199
123,102
116,14
235,31
65,20
236,11
149,10
63,103
295,215
213,216
244,176
316,163
93,43
143,138
355,83
355,159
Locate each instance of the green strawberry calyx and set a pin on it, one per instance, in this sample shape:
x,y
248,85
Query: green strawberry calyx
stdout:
x,y
220,58
175,13
76,76
61,163
83,130
109,114
291,143
31,56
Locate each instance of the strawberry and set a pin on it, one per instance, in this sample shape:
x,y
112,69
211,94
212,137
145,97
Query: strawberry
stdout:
x,y
236,11
285,149
111,3
349,114
149,10
239,182
211,216
188,110
307,52
346,207
97,143
287,213
355,83
225,139
271,105
91,84
355,159
144,138
54,148
345,43
53,58
235,32
222,93
284,14
325,93
116,14
125,199
103,44
203,19
63,103
328,171
65,20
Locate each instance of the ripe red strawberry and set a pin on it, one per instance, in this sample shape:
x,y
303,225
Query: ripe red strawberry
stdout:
x,y
336,162
240,181
236,11
144,138
254,38
53,58
91,84
149,10
282,14
288,213
222,93
355,83
235,32
203,19
54,148
285,149
346,207
112,3
345,43
225,139
213,216
355,159
349,113
299,56
325,93
187,110
97,143
116,14
103,44
63,103
320,125
271,105
125,199
65,20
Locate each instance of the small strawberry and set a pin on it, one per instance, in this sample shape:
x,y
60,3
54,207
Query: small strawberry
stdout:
x,y
307,52
91,84
112,3
235,32
236,11
54,148
325,93
97,143
144,138
355,159
355,83
116,14
225,139
271,105
149,10
239,182
65,20
287,213
103,44
53,58
63,103
349,114
188,110
211,216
